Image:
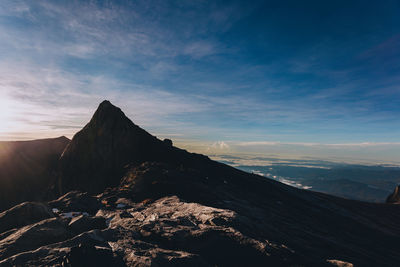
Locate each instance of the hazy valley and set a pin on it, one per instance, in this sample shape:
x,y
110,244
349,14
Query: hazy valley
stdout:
x,y
371,183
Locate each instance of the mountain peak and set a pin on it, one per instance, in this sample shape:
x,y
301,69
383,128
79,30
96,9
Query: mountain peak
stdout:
x,y
105,103
107,106
108,112
96,156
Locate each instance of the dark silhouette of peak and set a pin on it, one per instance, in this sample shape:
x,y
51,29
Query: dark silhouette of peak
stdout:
x,y
107,112
96,157
106,103
394,198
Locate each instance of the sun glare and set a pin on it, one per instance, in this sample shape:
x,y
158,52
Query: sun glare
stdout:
x,y
5,114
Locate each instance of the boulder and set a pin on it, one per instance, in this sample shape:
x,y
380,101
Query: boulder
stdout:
x,y
33,236
76,201
89,255
394,198
59,254
84,223
167,142
24,214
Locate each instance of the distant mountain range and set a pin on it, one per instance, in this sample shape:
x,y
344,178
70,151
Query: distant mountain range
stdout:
x,y
117,196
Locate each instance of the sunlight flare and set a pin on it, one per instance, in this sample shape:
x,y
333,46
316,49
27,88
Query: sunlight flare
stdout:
x,y
5,114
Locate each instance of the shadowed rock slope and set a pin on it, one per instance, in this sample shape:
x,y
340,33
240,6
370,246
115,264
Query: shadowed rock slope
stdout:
x,y
174,208
28,168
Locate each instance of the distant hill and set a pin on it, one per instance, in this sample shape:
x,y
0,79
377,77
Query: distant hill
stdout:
x,y
27,169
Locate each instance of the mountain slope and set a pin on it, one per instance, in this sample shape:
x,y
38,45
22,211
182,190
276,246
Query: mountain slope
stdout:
x,y
162,206
27,169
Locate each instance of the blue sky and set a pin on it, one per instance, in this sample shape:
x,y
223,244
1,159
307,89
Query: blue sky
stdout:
x,y
215,76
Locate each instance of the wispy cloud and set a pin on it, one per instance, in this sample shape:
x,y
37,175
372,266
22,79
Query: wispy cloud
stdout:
x,y
200,49
266,152
85,29
64,101
339,145
220,145
192,71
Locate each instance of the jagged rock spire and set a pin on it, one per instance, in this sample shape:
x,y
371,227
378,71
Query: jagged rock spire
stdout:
x,y
97,154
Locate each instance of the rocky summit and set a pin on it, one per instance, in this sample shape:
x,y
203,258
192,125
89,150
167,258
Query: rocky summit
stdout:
x,y
98,155
126,198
